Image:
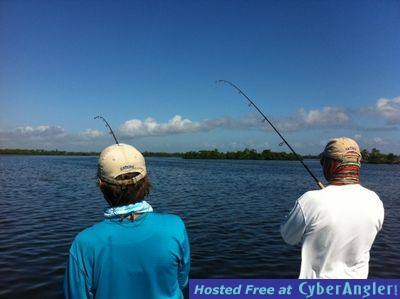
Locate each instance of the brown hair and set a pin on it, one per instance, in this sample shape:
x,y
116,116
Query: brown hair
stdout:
x,y
120,195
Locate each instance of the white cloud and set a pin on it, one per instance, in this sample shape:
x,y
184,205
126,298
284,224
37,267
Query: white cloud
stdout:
x,y
34,137
38,133
150,127
378,141
179,125
327,117
91,134
389,109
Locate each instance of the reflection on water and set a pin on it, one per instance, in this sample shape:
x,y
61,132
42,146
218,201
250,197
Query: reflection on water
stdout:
x,y
232,210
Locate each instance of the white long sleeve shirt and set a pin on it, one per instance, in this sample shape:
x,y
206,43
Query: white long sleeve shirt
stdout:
x,y
337,227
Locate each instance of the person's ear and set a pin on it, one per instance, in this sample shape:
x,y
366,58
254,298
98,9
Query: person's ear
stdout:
x,y
101,184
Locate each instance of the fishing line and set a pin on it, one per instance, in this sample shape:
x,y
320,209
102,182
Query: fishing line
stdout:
x,y
107,125
251,103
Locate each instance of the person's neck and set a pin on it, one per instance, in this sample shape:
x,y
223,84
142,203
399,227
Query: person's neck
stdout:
x,y
342,183
345,175
131,217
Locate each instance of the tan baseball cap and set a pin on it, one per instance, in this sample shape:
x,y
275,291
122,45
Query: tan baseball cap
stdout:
x,y
120,159
343,149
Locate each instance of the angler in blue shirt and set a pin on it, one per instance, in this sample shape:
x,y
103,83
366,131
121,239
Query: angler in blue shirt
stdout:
x,y
133,252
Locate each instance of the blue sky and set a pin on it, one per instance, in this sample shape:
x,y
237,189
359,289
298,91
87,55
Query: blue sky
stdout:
x,y
317,69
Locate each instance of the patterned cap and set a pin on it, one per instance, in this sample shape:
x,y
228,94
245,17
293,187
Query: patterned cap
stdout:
x,y
343,149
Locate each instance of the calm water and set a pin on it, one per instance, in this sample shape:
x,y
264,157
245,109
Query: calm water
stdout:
x,y
232,210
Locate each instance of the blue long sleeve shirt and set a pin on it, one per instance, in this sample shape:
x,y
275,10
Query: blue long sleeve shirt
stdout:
x,y
146,258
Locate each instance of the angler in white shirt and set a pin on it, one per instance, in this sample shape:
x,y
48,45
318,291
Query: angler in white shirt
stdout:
x,y
338,224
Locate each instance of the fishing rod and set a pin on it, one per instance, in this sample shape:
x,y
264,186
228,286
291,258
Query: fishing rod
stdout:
x,y
107,125
251,103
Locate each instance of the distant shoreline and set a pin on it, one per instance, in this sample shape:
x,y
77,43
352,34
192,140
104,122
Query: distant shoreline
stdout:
x,y
41,152
373,157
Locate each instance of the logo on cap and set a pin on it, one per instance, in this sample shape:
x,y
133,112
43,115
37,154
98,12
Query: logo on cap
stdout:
x,y
126,167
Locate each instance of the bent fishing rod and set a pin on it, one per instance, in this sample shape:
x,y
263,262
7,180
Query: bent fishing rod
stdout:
x,y
107,125
251,103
